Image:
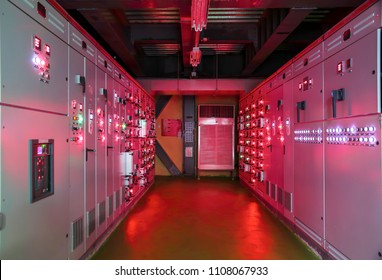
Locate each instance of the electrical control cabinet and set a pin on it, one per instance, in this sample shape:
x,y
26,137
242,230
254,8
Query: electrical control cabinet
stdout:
x,y
91,137
102,91
275,142
83,126
308,178
28,202
353,187
39,66
352,79
110,154
308,95
72,112
330,117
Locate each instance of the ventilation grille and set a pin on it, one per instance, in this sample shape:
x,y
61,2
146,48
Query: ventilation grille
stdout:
x,y
273,191
91,222
102,212
110,205
216,111
288,201
117,199
77,233
280,195
268,187
216,147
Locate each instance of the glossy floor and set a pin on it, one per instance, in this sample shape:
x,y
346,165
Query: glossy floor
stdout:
x,y
211,218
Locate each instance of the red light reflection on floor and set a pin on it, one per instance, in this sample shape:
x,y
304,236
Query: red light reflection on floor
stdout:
x,y
182,218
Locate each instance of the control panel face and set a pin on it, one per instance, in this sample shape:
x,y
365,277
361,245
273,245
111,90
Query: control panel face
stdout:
x,y
41,59
42,169
77,122
101,125
352,135
309,136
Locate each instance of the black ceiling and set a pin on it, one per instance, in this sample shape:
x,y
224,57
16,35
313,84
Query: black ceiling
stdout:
x,y
244,38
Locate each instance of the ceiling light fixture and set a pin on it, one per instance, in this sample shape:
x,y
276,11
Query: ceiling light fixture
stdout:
x,y
195,56
199,11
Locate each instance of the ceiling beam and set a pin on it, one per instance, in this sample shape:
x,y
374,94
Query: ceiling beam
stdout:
x,y
259,4
115,35
283,30
187,38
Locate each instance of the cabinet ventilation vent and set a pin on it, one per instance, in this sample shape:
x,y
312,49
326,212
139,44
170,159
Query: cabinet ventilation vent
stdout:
x,y
77,233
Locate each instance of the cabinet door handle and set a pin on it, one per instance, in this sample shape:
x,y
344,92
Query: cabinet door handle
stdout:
x,y
81,80
300,106
337,95
87,151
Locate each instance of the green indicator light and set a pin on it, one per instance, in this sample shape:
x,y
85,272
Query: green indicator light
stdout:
x,y
123,126
80,119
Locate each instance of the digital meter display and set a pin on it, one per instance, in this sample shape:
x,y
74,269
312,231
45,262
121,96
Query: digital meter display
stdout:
x,y
42,169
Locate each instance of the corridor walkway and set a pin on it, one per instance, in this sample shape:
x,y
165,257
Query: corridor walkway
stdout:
x,y
211,218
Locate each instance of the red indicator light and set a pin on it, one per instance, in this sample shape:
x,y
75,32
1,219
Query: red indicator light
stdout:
x,y
81,107
74,104
99,111
47,50
103,138
37,43
80,139
43,63
339,67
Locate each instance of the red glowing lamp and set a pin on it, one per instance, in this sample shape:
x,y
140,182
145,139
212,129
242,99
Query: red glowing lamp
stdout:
x,y
199,12
195,56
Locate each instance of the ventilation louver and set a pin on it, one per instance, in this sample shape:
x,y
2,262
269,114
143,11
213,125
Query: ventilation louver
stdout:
x,y
216,137
77,233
